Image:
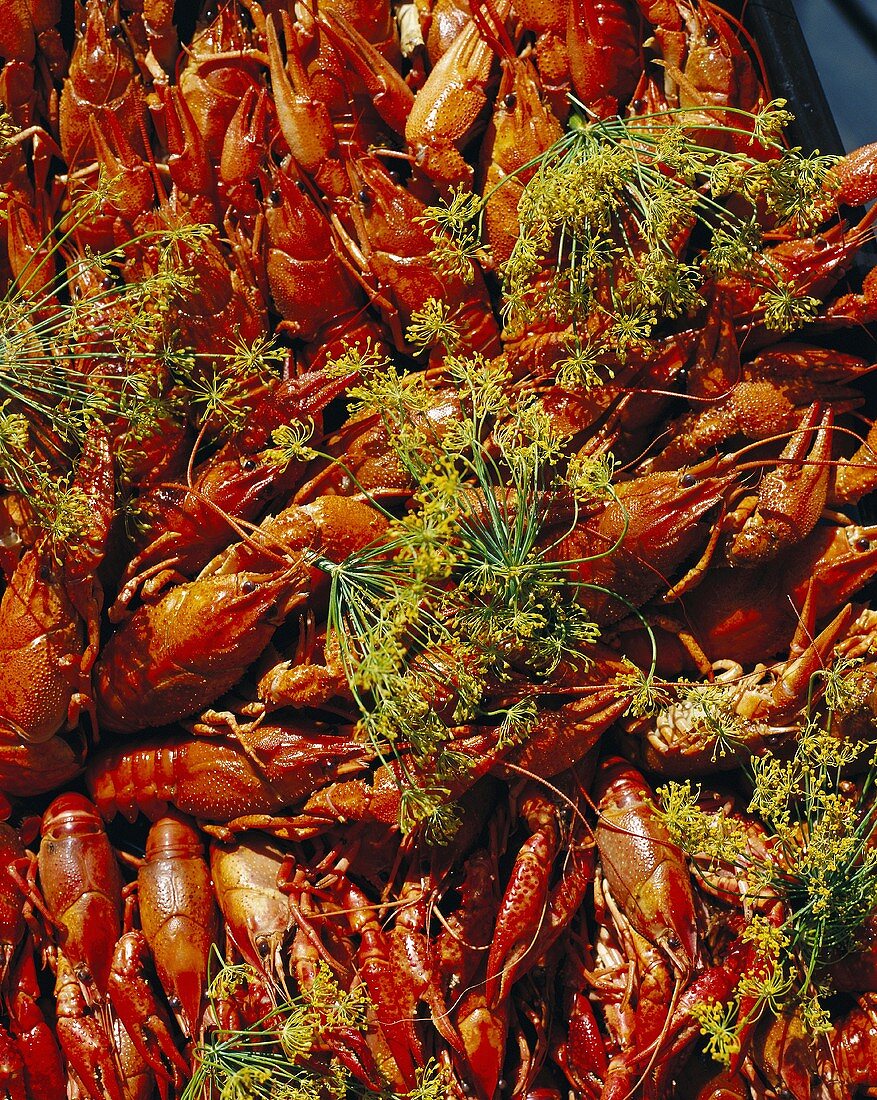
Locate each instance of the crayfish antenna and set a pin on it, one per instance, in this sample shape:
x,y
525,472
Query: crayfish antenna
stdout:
x,y
492,28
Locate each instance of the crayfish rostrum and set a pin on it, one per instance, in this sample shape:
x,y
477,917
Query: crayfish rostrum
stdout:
x,y
436,473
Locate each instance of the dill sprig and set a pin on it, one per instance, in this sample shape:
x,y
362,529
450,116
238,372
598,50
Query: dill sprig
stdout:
x,y
80,343
287,1054
466,589
607,243
89,336
816,866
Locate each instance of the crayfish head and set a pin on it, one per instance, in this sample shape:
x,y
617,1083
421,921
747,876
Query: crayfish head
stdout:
x,y
295,224
664,508
655,524
646,872
71,814
846,559
384,212
521,127
259,600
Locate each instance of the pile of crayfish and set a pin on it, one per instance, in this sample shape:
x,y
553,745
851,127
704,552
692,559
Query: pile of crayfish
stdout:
x,y
435,657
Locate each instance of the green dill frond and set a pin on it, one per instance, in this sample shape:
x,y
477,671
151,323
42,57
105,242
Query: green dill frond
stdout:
x,y
144,406
215,397
647,696
518,720
229,979
83,346
433,1082
608,213
8,129
584,366
466,586
61,508
770,121
714,839
282,1056
815,1017
675,150
389,393
631,328
423,806
733,251
245,1083
13,433
335,1006
589,477
816,861
842,686
661,282
710,709
260,359
798,187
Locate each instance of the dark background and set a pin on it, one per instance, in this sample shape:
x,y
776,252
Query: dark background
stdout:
x,y
842,36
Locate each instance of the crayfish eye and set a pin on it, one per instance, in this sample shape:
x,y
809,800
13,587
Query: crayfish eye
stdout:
x,y
711,35
247,587
863,544
108,282
365,196
300,184
84,975
262,946
275,197
639,104
248,464
114,31
820,243
510,100
687,480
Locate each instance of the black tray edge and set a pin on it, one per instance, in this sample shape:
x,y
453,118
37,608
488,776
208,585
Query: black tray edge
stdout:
x,y
790,71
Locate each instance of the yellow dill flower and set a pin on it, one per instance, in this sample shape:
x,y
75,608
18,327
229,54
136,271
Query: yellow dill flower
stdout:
x,y
719,1027
298,1032
290,444
357,360
713,837
432,325
246,1083
785,309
